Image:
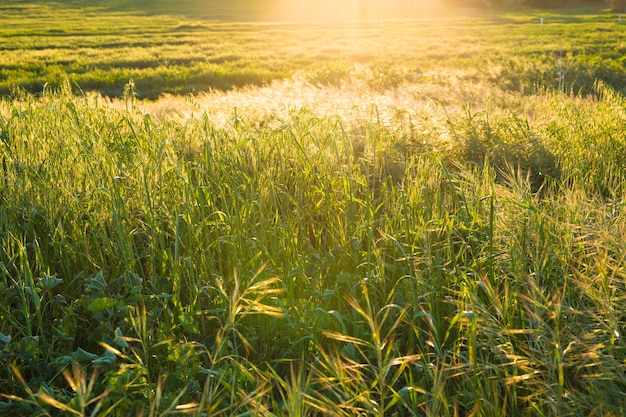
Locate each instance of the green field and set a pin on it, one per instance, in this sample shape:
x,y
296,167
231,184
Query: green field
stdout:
x,y
101,47
220,210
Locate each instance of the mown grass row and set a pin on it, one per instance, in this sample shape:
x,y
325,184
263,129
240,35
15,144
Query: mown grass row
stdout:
x,y
442,262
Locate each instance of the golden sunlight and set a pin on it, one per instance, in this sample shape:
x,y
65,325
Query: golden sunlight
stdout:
x,y
350,11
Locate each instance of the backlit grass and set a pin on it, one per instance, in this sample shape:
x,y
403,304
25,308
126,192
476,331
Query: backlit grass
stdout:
x,y
343,221
393,255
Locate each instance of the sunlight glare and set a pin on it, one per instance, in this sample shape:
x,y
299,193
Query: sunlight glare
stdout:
x,y
325,11
349,11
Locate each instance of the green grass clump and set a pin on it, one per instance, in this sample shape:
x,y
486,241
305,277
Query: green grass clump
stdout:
x,y
411,258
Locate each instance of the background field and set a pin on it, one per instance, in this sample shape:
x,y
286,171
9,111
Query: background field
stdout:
x,y
101,46
419,218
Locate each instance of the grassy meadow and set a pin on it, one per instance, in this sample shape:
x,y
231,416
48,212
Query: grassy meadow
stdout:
x,y
219,211
179,47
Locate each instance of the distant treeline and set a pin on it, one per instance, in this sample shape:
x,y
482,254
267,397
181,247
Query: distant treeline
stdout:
x,y
616,5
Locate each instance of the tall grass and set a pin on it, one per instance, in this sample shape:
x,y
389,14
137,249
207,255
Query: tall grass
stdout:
x,y
403,257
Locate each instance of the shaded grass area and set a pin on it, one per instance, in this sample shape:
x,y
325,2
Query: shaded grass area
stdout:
x,y
99,47
414,259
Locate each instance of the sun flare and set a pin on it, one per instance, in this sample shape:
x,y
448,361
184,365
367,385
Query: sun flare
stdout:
x,y
349,11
